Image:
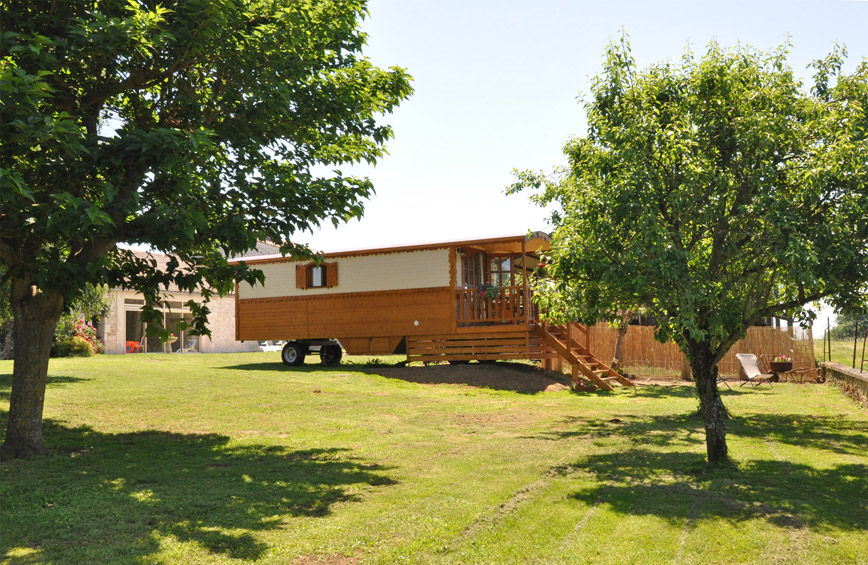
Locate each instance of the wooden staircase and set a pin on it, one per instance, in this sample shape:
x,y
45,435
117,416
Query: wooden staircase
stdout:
x,y
566,341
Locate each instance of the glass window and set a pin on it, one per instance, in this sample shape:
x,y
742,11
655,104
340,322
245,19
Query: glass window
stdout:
x,y
472,267
317,276
501,271
182,340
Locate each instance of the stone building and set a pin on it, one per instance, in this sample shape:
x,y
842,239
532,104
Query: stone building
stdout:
x,y
123,331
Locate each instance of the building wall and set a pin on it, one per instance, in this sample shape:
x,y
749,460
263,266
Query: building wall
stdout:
x,y
114,323
367,273
221,322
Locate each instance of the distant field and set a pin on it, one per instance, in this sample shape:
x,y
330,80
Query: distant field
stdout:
x,y
842,352
230,458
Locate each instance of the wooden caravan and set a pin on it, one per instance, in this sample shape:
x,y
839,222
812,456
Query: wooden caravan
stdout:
x,y
453,301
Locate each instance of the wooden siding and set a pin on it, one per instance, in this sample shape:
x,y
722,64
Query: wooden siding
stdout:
x,y
369,273
354,315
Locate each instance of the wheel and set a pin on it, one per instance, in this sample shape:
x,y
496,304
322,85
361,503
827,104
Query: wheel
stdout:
x,y
292,354
331,354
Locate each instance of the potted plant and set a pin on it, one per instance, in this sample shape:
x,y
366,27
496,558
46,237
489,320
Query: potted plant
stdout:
x,y
489,291
781,363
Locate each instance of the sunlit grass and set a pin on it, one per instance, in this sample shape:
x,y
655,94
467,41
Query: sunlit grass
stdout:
x,y
221,458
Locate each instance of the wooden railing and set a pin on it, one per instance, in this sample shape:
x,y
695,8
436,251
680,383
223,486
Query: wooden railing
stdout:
x,y
580,334
507,306
574,334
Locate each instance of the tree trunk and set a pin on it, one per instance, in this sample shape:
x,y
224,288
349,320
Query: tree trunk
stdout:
x,y
704,367
813,357
685,370
36,316
618,356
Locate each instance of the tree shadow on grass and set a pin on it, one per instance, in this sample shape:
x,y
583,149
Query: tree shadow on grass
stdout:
x,y
672,429
824,433
688,390
125,492
654,465
670,485
53,380
835,434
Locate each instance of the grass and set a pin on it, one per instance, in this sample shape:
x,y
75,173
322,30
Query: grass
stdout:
x,y
842,352
232,458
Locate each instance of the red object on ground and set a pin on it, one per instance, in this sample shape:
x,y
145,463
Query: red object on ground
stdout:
x,y
133,347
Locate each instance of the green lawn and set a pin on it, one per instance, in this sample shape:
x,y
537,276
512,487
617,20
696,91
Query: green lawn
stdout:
x,y
217,458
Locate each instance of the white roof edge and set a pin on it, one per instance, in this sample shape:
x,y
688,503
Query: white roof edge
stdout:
x,y
409,246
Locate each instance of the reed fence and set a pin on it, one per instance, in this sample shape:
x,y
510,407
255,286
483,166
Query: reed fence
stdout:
x,y
642,350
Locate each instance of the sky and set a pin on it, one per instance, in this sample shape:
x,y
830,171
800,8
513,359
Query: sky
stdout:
x,y
497,87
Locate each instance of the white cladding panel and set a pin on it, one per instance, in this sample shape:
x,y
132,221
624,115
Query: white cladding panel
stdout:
x,y
366,273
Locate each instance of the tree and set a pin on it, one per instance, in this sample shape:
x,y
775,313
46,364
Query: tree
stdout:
x,y
845,326
196,127
5,306
711,193
92,302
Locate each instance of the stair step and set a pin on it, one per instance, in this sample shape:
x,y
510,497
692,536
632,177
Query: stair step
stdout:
x,y
580,356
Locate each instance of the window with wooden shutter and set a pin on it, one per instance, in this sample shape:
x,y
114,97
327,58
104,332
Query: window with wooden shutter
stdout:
x,y
331,274
312,275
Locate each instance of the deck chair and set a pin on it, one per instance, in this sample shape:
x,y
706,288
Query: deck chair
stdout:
x,y
750,367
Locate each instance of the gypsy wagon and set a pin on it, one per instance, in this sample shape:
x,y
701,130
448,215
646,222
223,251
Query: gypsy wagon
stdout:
x,y
453,301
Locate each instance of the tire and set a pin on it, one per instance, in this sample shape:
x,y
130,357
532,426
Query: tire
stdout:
x,y
293,354
331,354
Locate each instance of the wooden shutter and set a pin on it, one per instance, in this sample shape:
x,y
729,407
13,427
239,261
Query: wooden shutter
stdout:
x,y
331,274
301,276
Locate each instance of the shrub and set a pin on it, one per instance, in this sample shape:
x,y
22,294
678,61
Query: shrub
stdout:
x,y
81,347
76,338
71,346
87,332
62,346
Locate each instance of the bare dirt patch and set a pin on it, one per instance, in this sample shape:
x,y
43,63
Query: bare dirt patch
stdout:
x,y
518,377
325,560
499,376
